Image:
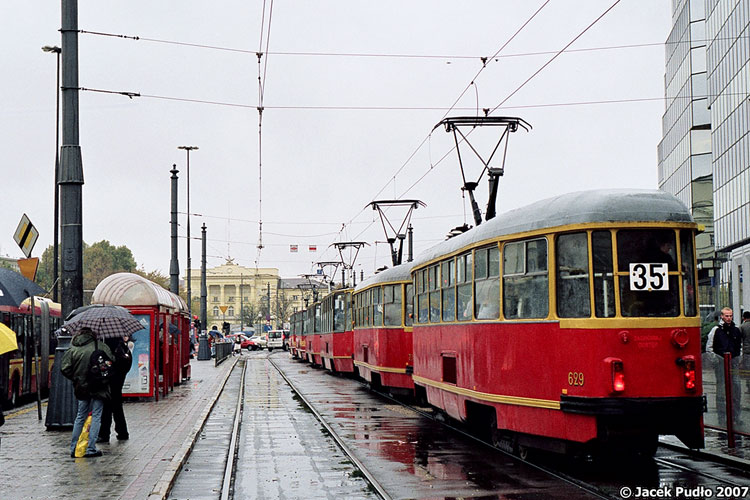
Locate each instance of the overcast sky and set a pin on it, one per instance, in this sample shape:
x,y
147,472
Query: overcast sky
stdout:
x,y
321,164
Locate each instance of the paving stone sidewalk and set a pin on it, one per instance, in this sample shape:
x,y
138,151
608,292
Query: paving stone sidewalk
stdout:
x,y
36,463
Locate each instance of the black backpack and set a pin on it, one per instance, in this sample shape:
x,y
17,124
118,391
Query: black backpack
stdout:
x,y
100,370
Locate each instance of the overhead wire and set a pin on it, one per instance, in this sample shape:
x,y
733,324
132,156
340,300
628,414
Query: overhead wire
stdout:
x,y
533,75
262,81
261,96
395,55
426,139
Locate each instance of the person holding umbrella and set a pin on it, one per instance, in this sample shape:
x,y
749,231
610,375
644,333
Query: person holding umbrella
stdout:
x,y
75,366
123,360
108,322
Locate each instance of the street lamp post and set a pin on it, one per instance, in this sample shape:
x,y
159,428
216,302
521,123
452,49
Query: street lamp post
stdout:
x,y
188,149
56,50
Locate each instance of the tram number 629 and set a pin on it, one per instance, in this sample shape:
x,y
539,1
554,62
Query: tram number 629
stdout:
x,y
575,378
649,277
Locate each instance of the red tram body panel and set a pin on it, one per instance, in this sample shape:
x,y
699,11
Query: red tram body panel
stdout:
x,y
568,322
383,332
337,340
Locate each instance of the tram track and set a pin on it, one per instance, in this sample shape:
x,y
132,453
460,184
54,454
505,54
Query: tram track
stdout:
x,y
229,469
604,478
584,485
371,479
588,488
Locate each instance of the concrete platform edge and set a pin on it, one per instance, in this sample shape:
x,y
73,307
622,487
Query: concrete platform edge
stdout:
x,y
707,454
164,485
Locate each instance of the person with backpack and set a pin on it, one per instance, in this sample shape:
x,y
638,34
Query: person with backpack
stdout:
x,y
88,364
113,408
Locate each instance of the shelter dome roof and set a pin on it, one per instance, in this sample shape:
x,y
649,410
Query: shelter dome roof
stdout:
x,y
128,289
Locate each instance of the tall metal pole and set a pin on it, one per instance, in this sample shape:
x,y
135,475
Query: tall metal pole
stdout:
x,y
56,232
204,291
71,166
188,149
174,266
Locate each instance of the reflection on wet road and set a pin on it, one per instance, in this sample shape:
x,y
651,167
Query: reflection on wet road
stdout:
x,y
413,457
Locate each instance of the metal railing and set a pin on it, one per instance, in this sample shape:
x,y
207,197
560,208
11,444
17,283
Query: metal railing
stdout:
x,y
223,351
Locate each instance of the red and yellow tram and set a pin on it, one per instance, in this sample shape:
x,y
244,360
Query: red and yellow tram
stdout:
x,y
297,322
312,334
383,329
570,323
18,370
338,337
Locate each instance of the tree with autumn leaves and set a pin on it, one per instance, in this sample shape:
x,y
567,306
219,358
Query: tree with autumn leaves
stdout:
x,y
100,260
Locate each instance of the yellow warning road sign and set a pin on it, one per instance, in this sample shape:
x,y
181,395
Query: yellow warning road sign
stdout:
x,y
26,235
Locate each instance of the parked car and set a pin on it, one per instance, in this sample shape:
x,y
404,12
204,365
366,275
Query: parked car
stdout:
x,y
255,342
275,339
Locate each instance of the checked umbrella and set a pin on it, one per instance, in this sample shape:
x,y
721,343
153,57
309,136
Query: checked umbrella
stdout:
x,y
106,321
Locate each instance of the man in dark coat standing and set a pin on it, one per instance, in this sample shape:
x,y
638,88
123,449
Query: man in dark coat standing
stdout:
x,y
726,338
75,366
113,407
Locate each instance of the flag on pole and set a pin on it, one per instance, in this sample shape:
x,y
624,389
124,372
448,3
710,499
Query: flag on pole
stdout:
x,y
293,248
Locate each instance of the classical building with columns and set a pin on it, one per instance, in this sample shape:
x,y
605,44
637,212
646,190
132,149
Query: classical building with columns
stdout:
x,y
241,296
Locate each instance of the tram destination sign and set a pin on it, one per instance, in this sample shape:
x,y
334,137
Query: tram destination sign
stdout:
x,y
26,235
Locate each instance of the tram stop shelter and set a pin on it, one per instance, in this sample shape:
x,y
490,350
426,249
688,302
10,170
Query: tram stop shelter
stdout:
x,y
161,350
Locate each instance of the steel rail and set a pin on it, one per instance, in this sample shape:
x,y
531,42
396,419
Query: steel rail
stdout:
x,y
347,451
685,468
227,482
587,487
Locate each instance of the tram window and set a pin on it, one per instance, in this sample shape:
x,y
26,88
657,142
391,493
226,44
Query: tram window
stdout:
x,y
487,283
392,305
377,307
572,253
317,318
368,307
423,298
604,278
448,290
409,305
463,287
647,247
434,277
525,279
688,272
339,313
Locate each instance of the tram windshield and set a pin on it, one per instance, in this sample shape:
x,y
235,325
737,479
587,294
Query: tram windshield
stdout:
x,y
647,264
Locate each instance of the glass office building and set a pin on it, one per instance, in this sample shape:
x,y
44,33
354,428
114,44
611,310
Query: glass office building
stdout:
x,y
685,150
728,69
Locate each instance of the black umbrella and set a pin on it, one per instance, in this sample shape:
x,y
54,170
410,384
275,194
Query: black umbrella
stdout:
x,y
106,321
14,288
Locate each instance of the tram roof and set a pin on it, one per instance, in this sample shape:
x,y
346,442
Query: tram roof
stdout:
x,y
401,272
582,207
128,289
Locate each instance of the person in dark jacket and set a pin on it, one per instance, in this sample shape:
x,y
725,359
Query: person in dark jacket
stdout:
x,y
75,366
726,338
113,408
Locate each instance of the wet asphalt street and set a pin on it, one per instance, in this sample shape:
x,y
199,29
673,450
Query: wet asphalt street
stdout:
x,y
284,452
